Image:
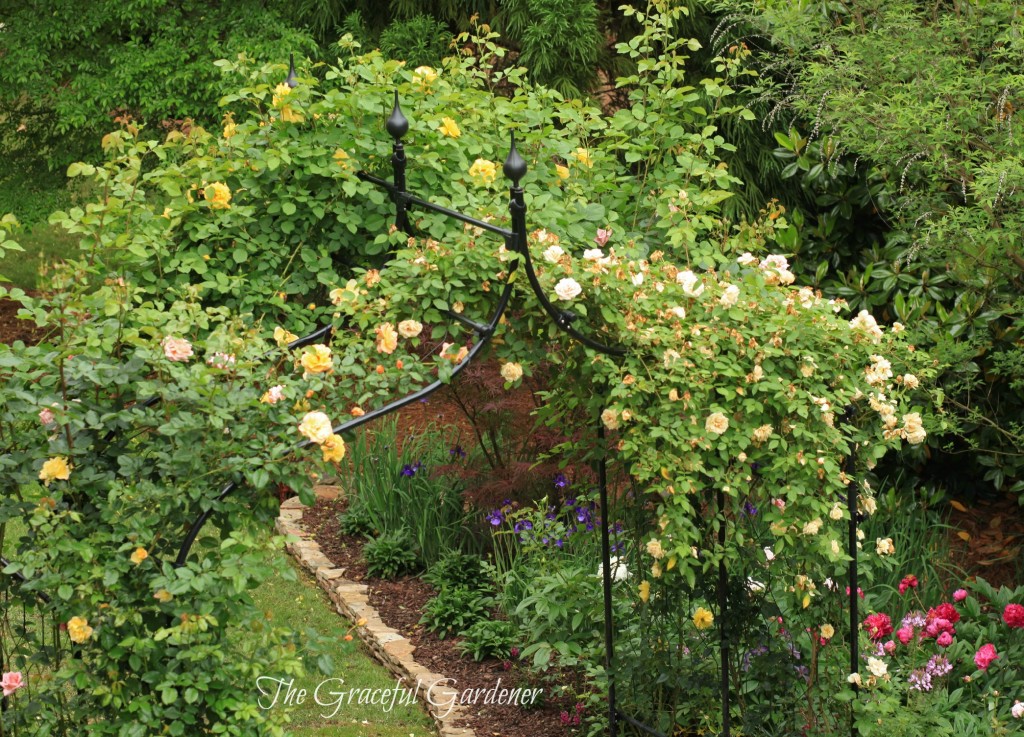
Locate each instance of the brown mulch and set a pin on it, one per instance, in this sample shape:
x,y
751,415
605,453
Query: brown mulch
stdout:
x,y
400,603
12,329
987,539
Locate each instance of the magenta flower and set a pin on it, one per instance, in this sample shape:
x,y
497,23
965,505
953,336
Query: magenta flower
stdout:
x,y
959,595
1013,615
944,640
905,634
12,682
985,655
878,626
908,582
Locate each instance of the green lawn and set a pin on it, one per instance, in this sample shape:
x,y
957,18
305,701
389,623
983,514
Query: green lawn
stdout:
x,y
301,605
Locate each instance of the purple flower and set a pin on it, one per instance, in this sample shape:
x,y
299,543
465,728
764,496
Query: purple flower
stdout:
x,y
749,509
559,542
410,470
560,481
495,517
457,452
523,524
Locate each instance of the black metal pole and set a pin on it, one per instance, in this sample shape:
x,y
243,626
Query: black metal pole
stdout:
x,y
397,126
723,583
851,506
606,579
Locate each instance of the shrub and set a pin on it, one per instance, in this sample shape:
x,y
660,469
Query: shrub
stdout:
x,y
391,555
459,569
418,41
356,521
488,638
455,609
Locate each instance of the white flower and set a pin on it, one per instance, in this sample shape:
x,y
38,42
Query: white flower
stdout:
x,y
1017,709
716,423
884,546
687,279
730,296
409,328
610,418
316,426
553,254
877,667
568,289
865,323
837,511
511,372
879,371
637,279
593,254
836,550
912,429
654,549
869,504
910,381
678,312
747,259
762,433
617,567
854,678
769,554
755,587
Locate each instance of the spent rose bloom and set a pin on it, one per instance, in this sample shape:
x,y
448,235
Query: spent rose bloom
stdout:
x,y
884,546
12,682
985,656
655,550
568,289
812,527
716,423
761,434
46,416
511,372
176,349
409,328
603,234
316,359
910,381
316,426
55,468
387,338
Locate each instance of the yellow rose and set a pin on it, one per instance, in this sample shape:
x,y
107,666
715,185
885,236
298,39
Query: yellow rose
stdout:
x,y
610,418
387,338
348,293
316,426
290,116
55,468
218,195
562,171
583,156
163,595
282,337
230,129
828,631
483,171
424,76
703,619
79,630
341,158
316,359
511,372
655,550
139,555
449,128
280,92
645,591
333,448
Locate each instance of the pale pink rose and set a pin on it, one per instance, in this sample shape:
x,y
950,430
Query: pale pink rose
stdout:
x,y
602,236
176,349
46,416
12,682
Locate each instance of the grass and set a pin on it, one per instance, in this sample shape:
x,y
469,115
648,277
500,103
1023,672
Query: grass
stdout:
x,y
302,606
43,244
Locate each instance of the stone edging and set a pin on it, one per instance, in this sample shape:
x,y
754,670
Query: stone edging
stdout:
x,y
351,600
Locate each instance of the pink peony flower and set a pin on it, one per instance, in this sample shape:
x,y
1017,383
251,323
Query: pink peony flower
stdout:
x,y
889,647
878,626
1013,615
908,582
985,655
959,595
176,349
12,682
905,634
944,640
602,236
946,611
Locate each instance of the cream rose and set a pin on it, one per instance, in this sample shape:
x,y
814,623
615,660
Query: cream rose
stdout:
x,y
716,423
316,427
568,289
410,328
511,372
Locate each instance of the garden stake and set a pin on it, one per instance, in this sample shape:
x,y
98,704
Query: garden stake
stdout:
x,y
723,582
851,506
606,578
